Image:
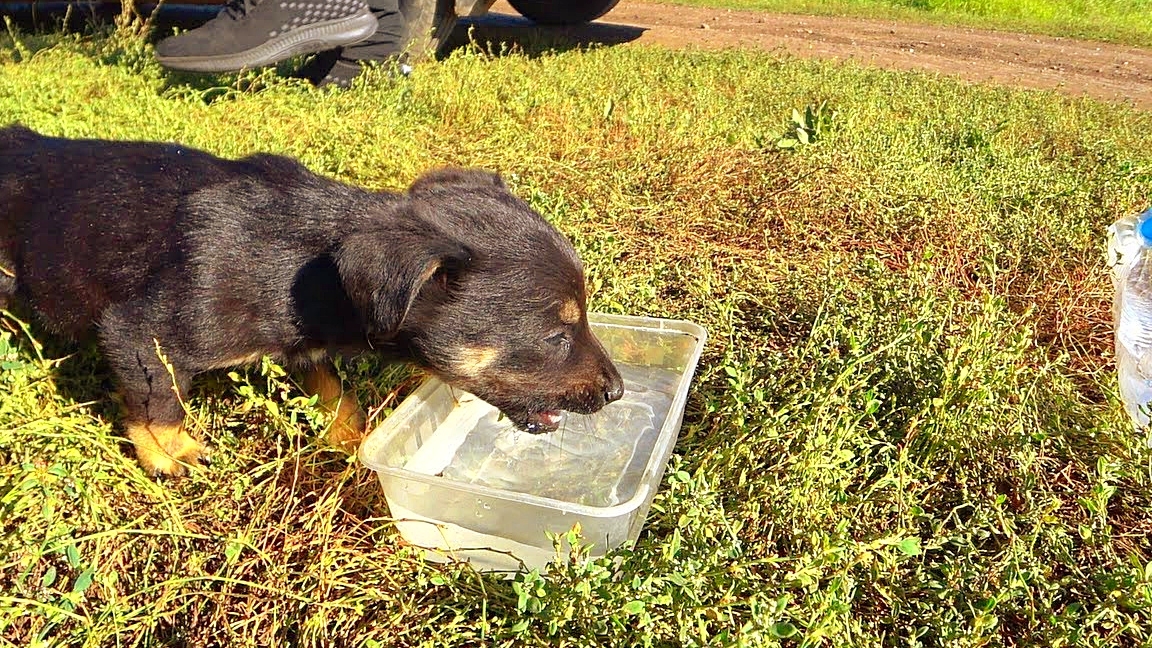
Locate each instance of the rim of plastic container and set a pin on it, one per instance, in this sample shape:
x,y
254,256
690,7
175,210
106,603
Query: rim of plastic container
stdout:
x,y
660,450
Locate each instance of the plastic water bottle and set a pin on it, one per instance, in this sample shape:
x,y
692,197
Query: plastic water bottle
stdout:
x,y
1130,257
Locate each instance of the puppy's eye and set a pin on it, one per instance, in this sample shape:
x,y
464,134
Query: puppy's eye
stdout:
x,y
447,278
560,340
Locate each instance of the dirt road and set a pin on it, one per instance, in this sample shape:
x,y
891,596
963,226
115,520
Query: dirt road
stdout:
x,y
1109,72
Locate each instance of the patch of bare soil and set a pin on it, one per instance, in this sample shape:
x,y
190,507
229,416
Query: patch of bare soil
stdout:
x,y
1115,73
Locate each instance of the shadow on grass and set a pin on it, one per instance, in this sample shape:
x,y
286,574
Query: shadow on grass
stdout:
x,y
78,374
500,33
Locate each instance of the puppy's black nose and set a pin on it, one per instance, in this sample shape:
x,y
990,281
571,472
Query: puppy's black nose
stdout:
x,y
615,389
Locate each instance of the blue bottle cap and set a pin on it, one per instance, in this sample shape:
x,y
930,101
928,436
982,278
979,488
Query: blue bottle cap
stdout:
x,y
1146,225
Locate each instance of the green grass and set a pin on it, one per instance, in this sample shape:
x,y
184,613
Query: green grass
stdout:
x,y
904,429
1120,21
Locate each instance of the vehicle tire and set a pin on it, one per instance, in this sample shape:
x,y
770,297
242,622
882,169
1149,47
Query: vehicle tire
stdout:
x,y
430,24
562,12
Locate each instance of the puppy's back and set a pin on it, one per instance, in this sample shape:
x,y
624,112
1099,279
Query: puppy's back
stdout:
x,y
88,223
13,140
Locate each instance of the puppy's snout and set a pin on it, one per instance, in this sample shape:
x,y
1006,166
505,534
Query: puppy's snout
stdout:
x,y
608,388
614,390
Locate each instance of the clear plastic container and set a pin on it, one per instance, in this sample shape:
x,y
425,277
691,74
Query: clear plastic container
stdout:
x,y
595,460
463,484
1130,258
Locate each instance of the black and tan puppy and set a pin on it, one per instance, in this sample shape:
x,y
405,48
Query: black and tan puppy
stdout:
x,y
217,262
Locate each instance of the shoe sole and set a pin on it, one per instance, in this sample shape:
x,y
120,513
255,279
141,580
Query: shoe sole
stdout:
x,y
313,38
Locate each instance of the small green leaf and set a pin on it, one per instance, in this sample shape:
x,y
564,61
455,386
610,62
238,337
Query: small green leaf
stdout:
x,y
674,544
73,555
909,546
783,630
49,577
83,581
1085,531
633,607
985,621
232,550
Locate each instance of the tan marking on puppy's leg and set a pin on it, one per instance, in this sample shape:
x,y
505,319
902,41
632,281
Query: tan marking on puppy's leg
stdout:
x,y
570,312
347,429
473,361
240,361
165,449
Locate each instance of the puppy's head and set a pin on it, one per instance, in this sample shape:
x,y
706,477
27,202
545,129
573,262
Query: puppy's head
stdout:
x,y
483,292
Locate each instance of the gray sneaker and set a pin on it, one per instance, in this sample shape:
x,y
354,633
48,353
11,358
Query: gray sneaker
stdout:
x,y
255,33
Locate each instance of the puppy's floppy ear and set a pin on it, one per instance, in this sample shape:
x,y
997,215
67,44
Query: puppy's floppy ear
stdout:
x,y
455,177
383,272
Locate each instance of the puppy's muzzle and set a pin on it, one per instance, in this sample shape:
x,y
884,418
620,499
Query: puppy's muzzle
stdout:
x,y
609,390
614,389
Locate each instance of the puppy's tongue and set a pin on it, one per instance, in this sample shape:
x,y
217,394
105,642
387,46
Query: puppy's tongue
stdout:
x,y
546,421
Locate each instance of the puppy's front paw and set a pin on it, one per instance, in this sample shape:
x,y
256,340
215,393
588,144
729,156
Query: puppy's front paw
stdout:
x,y
166,449
347,430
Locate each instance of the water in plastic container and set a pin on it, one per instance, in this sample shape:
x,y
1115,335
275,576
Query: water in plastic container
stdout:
x,y
594,460
1130,257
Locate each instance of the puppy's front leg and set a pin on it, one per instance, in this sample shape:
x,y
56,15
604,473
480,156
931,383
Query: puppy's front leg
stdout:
x,y
164,448
154,414
347,428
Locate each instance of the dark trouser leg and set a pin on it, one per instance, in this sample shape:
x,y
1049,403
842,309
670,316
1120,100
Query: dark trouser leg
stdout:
x,y
341,65
388,39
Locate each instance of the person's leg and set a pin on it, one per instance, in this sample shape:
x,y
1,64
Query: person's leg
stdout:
x,y
389,39
255,33
341,65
